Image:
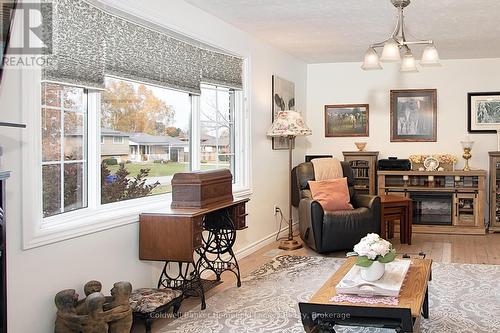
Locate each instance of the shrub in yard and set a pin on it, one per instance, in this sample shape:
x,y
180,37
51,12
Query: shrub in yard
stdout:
x,y
120,187
110,161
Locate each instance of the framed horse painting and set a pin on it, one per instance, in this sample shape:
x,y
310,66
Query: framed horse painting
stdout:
x,y
346,120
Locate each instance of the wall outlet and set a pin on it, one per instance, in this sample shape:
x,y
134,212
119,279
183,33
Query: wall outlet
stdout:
x,y
276,209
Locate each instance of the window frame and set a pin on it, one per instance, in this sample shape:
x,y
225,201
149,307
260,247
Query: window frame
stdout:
x,y
39,231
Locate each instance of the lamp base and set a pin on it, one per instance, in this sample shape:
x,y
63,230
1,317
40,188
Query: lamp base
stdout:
x,y
289,245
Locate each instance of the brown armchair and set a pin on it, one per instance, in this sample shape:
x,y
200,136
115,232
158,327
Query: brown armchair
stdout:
x,y
333,231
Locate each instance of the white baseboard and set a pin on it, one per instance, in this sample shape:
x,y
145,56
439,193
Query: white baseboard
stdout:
x,y
255,246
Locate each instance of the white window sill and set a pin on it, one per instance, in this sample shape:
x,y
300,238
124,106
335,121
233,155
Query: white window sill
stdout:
x,y
86,221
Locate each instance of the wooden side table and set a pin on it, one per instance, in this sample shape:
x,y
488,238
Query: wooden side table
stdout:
x,y
395,207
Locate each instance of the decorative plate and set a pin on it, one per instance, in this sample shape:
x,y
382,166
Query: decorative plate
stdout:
x,y
431,164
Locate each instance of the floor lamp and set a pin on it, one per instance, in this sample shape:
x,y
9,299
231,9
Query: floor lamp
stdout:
x,y
289,124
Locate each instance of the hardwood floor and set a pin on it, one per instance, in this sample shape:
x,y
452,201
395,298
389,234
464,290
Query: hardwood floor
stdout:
x,y
471,249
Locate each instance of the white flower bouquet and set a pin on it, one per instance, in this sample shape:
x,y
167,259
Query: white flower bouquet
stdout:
x,y
373,248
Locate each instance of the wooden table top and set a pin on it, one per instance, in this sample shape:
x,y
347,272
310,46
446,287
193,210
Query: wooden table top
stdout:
x,y
411,296
387,198
194,212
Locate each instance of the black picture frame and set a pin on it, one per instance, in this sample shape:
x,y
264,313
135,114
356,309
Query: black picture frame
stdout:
x,y
470,111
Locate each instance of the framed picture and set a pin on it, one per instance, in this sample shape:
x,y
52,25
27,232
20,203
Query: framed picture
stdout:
x,y
483,114
414,115
346,120
283,99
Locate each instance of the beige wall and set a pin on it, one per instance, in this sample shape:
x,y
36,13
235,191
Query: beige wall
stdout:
x,y
108,148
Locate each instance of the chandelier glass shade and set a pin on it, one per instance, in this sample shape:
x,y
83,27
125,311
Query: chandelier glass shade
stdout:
x,y
371,60
397,47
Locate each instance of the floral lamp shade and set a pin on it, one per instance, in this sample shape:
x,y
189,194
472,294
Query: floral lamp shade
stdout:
x,y
287,124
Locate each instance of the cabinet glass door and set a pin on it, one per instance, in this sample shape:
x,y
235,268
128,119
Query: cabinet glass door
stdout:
x,y
361,173
465,207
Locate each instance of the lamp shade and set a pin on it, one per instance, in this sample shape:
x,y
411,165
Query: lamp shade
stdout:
x,y
430,57
390,53
408,63
371,60
288,123
467,144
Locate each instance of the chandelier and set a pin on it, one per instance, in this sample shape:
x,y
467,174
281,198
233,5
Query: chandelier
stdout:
x,y
397,48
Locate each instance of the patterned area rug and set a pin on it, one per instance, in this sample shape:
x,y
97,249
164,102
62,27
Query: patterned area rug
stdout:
x,y
463,298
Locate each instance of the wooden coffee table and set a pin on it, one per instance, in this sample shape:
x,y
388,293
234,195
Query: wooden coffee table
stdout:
x,y
321,314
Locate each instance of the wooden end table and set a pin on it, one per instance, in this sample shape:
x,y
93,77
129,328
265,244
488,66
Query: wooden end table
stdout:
x,y
321,314
395,207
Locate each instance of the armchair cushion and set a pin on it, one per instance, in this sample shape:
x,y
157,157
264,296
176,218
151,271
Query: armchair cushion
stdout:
x,y
332,194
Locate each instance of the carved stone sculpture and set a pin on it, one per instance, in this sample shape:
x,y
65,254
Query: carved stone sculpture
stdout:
x,y
95,313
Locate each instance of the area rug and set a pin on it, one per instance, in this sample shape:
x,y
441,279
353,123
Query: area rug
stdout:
x,y
462,298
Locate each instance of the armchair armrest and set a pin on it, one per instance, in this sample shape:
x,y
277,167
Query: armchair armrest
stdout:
x,y
311,222
372,202
368,201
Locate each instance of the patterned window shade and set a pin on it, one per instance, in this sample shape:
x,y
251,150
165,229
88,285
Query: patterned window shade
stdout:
x,y
90,42
78,44
138,53
222,69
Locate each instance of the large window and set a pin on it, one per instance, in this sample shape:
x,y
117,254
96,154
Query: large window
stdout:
x,y
126,142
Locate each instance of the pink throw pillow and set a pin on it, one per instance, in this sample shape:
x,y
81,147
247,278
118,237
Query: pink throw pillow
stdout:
x,y
332,194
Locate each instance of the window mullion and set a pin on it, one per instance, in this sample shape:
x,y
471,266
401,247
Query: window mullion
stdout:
x,y
195,141
61,156
94,149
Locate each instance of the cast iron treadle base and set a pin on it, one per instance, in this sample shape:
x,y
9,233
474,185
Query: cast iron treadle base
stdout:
x,y
184,279
217,253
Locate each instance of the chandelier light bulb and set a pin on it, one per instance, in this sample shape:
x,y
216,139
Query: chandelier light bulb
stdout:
x,y
390,53
372,60
408,63
430,57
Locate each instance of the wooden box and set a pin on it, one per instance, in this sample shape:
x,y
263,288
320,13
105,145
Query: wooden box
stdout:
x,y
200,189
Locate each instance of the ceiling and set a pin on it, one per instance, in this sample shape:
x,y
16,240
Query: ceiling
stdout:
x,y
340,30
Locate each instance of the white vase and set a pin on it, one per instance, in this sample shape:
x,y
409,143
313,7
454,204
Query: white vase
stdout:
x,y
373,272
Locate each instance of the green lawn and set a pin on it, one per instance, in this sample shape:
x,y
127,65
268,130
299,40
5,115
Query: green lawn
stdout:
x,y
158,169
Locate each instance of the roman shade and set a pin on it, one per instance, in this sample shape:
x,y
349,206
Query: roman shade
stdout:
x,y
90,42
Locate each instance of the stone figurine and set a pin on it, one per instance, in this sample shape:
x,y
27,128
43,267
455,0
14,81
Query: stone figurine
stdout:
x,y
95,313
